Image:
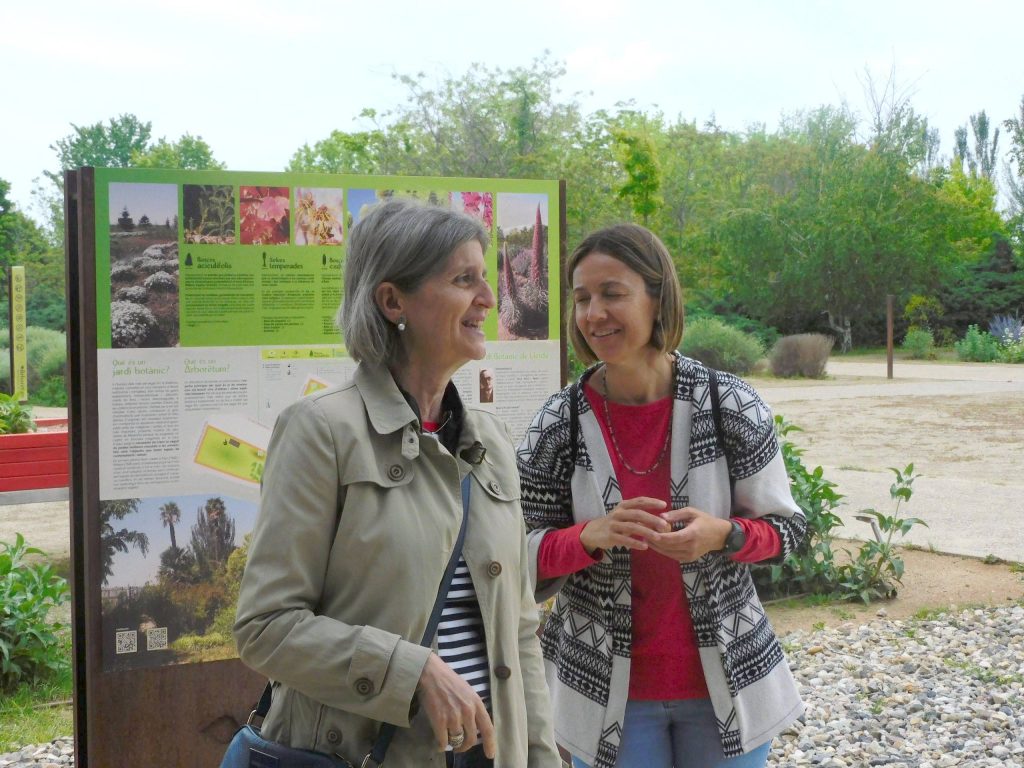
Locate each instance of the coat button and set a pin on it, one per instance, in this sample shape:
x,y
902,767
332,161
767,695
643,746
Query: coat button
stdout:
x,y
493,485
502,672
396,471
333,736
494,569
364,687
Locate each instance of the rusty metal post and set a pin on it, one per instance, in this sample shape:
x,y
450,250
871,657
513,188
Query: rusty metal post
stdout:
x,y
888,334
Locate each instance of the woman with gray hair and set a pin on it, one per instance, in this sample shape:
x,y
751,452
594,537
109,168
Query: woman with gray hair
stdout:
x,y
361,510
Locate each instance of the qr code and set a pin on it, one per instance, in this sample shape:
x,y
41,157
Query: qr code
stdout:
x,y
126,641
156,639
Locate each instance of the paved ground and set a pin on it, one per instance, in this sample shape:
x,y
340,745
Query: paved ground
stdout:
x,y
961,425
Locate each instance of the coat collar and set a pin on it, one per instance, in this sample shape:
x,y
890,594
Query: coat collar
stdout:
x,y
389,411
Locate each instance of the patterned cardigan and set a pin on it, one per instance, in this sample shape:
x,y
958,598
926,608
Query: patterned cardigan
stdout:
x,y
586,641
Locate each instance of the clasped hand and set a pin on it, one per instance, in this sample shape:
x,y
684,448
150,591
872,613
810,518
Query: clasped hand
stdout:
x,y
645,523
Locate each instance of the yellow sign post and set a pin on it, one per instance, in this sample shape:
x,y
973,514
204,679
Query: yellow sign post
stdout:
x,y
19,335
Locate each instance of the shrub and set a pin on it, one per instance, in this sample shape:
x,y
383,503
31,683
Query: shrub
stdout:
x,y
136,294
46,357
977,346
721,346
1012,352
1007,328
161,281
130,324
53,393
919,344
122,273
29,647
15,418
805,354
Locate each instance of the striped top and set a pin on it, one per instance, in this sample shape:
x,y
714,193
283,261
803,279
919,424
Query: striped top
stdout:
x,y
460,631
460,634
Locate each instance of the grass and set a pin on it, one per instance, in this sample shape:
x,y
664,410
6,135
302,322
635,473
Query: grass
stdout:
x,y
37,714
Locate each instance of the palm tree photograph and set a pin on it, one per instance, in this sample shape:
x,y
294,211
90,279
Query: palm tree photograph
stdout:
x,y
171,568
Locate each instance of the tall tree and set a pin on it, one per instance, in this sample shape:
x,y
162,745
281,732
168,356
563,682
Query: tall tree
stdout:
x,y
981,159
170,514
1014,174
213,537
187,153
642,185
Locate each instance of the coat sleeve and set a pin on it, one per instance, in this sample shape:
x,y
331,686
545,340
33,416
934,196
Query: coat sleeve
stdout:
x,y
360,669
762,490
546,466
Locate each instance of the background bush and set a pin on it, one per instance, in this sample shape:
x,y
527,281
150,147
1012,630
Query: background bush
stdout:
x,y
721,346
803,354
919,344
47,362
977,346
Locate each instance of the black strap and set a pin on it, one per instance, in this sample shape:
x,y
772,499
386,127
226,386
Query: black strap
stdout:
x,y
716,414
387,730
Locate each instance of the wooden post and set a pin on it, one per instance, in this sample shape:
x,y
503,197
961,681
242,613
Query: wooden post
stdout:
x,y
888,334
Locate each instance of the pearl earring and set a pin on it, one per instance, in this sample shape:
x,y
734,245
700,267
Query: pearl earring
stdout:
x,y
401,323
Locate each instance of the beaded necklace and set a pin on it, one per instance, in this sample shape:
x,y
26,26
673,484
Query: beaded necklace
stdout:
x,y
615,442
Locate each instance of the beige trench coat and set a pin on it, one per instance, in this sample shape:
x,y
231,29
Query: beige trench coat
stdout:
x,y
358,518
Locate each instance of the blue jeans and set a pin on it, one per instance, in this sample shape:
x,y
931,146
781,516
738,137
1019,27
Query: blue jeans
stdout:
x,y
676,734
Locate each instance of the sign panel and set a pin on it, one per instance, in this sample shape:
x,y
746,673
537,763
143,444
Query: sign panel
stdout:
x,y
19,334
212,307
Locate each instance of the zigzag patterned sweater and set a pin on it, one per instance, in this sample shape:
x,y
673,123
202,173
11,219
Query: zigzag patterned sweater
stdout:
x,y
587,640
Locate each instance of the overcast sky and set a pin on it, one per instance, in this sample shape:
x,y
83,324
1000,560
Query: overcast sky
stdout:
x,y
258,79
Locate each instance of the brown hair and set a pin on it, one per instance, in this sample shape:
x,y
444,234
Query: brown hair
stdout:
x,y
640,250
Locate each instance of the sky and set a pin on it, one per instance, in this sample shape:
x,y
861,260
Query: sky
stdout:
x,y
260,78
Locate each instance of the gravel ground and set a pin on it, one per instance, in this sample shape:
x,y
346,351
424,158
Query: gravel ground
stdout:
x,y
930,693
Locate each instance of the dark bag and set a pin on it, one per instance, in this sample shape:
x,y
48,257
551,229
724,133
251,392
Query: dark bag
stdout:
x,y
248,749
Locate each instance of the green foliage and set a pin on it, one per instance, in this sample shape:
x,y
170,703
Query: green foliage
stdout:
x,y
811,568
188,153
877,568
15,418
113,540
919,344
1012,352
872,573
46,358
638,156
804,354
37,713
991,286
30,649
977,346
721,346
213,537
923,311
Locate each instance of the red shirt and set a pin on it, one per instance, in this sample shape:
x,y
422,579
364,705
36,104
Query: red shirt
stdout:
x,y
665,660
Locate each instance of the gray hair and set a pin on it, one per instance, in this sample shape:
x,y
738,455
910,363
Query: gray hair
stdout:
x,y
402,242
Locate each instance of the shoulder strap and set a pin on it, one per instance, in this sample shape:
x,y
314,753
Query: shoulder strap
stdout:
x,y
716,414
387,730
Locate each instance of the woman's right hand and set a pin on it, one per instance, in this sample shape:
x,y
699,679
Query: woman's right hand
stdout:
x,y
453,707
631,524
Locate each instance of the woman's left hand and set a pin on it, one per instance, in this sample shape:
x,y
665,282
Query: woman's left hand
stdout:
x,y
702,533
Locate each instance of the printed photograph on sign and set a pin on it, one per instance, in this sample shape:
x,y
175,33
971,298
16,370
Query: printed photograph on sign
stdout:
x,y
208,213
479,205
143,220
522,266
318,216
264,215
359,200
171,569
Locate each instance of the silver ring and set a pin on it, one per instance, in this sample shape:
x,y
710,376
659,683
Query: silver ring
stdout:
x,y
457,740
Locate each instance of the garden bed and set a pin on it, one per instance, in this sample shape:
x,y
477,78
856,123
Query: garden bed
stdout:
x,y
35,459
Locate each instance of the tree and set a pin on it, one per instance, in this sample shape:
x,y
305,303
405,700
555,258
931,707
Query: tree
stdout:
x,y
213,537
187,153
1014,174
113,540
642,186
827,226
170,514
981,161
